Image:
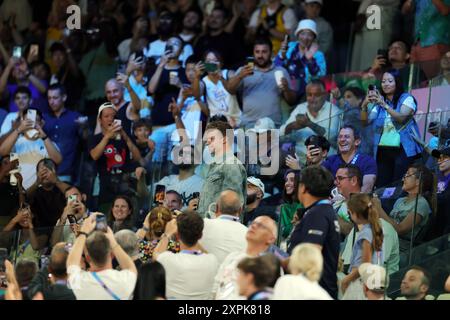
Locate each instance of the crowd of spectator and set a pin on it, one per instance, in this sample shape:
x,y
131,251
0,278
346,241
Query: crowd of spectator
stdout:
x,y
127,148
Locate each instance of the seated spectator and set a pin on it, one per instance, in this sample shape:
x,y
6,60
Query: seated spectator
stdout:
x,y
10,196
414,209
112,150
30,242
368,246
67,73
186,182
302,59
398,58
261,93
151,283
273,20
348,142
190,273
173,201
32,144
66,230
152,231
218,99
291,205
375,281
312,118
305,266
261,234
66,128
225,171
25,272
121,214
22,99
217,39
350,103
158,48
101,282
415,283
393,128
56,288
442,222
347,188
444,76
317,148
225,233
318,223
22,76
313,9
257,276
46,195
255,194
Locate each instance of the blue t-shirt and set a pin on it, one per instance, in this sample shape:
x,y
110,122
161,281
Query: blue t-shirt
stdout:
x,y
365,163
356,259
320,226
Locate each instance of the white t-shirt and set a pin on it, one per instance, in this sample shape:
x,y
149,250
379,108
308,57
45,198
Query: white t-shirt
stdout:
x,y
222,236
184,187
225,283
298,287
7,123
124,49
156,50
189,276
289,18
30,153
86,287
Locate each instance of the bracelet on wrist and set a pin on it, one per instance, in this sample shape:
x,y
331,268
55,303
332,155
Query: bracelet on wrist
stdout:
x,y
82,233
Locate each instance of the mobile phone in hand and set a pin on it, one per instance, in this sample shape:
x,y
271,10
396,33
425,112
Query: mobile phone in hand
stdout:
x,y
72,219
160,194
101,224
17,52
31,115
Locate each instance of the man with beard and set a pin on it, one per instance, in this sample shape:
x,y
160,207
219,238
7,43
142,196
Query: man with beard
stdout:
x,y
316,116
186,182
261,94
219,40
348,142
166,29
255,194
192,25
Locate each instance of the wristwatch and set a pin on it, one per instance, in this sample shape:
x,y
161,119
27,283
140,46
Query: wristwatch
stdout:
x,y
81,233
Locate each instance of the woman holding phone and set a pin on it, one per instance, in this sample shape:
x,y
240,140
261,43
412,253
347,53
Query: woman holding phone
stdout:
x,y
393,126
218,99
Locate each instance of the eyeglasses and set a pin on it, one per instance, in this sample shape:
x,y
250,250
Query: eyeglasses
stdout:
x,y
340,178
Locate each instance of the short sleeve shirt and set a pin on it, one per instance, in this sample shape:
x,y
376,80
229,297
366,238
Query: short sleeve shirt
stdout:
x,y
365,163
403,207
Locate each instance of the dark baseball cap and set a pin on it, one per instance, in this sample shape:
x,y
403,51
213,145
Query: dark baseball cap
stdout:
x,y
437,153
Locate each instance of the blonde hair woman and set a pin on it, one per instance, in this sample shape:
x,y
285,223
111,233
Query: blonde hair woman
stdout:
x,y
305,265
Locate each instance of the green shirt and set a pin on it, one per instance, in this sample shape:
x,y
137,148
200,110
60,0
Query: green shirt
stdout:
x,y
287,212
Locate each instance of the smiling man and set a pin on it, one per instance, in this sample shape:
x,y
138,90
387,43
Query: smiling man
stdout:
x,y
348,143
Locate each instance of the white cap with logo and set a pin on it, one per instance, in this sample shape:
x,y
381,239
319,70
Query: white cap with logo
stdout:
x,y
373,276
263,125
256,182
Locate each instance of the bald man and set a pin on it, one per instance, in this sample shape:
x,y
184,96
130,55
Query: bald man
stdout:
x,y
225,233
56,288
126,111
261,235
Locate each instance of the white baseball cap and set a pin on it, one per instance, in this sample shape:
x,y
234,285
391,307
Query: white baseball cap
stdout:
x,y
312,1
104,106
306,24
263,125
256,182
374,276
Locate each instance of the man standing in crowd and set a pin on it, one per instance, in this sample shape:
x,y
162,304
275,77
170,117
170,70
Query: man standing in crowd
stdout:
x,y
348,142
415,283
65,127
22,99
261,234
225,233
225,171
261,93
318,225
189,273
101,282
314,117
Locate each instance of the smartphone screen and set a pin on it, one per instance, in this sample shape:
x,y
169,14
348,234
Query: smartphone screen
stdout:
x,y
160,194
34,50
211,67
31,115
72,198
17,52
72,219
101,224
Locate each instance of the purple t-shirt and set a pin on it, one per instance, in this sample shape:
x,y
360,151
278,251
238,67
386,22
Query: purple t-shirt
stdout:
x,y
365,163
443,183
39,100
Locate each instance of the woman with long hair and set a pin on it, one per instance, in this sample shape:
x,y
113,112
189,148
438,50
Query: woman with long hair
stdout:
x,y
368,246
151,282
291,205
393,127
121,214
151,232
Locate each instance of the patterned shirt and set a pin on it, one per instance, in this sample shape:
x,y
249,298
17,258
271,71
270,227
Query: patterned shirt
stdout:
x,y
146,249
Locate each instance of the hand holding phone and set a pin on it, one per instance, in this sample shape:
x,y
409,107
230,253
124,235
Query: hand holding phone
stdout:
x,y
100,223
160,194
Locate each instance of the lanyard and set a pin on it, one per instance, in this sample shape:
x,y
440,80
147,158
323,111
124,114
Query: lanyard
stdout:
x,y
323,201
355,158
195,252
100,281
228,217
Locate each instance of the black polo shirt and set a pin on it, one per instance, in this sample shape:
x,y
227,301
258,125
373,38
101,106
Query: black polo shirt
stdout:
x,y
320,226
